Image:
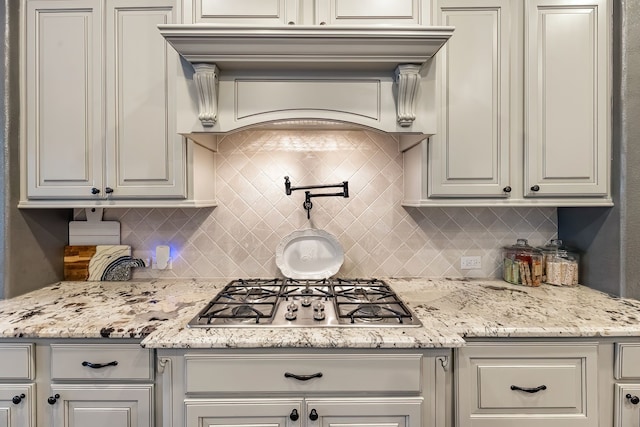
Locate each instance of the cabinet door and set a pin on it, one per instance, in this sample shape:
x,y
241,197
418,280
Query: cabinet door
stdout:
x,y
567,106
244,412
103,405
17,408
365,412
349,12
260,12
145,156
627,413
63,98
469,156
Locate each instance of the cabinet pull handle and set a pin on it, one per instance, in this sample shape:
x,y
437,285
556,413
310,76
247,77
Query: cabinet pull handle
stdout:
x,y
302,377
313,415
291,23
293,416
108,190
99,365
529,390
53,399
17,399
535,188
95,190
507,189
633,399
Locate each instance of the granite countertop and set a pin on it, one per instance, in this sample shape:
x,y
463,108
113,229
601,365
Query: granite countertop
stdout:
x,y
156,312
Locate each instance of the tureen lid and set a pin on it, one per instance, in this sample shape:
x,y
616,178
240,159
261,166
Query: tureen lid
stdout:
x,y
309,254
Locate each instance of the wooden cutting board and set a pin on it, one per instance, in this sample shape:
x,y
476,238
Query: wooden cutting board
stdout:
x,y
92,261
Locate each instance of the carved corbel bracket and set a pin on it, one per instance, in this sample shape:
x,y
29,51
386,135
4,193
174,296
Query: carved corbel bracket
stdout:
x,y
407,77
206,80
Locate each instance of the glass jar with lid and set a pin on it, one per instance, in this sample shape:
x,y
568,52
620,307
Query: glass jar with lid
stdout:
x,y
522,264
560,264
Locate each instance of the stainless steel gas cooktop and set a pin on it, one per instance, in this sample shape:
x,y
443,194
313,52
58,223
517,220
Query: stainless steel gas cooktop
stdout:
x,y
305,303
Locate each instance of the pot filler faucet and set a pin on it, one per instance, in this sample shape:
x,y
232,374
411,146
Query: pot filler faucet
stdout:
x,y
307,194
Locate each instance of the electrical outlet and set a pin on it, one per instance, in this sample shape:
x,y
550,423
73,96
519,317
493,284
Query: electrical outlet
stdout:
x,y
471,263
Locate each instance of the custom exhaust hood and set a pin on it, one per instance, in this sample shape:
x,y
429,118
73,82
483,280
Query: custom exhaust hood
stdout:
x,y
374,77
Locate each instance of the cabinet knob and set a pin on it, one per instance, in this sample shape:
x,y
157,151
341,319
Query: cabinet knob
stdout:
x,y
108,190
17,399
323,23
95,190
535,188
293,416
313,415
291,23
53,399
633,399
507,189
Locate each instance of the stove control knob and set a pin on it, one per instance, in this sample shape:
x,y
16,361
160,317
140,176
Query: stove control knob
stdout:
x,y
290,315
306,302
318,315
292,307
319,306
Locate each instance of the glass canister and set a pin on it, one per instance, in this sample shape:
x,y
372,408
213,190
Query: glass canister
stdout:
x,y
560,264
522,264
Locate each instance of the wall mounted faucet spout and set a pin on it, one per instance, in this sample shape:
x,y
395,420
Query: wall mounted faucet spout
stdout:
x,y
307,205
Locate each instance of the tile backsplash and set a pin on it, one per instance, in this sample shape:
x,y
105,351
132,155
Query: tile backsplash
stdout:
x,y
380,237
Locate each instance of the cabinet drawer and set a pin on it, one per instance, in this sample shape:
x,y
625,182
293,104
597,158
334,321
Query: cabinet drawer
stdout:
x,y
266,373
17,361
627,365
547,383
535,384
71,361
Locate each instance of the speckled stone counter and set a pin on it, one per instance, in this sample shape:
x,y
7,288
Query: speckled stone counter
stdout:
x,y
451,310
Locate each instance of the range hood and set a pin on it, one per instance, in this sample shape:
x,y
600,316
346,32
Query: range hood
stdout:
x,y
369,76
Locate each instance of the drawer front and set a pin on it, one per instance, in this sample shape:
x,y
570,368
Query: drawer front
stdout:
x,y
627,361
17,361
535,384
100,362
266,373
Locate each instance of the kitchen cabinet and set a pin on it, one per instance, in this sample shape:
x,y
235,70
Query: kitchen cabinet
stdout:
x,y
99,107
523,90
527,384
313,388
627,386
17,387
78,384
308,12
108,385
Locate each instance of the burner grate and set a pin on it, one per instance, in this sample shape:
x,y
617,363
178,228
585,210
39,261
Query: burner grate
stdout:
x,y
326,302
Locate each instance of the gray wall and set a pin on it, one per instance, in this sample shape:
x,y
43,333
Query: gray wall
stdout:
x,y
33,240
611,236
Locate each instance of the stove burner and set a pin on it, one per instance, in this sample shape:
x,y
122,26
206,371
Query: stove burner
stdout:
x,y
326,302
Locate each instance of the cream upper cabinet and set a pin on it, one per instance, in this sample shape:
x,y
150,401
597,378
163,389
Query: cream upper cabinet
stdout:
x,y
308,12
567,98
99,106
64,98
470,153
524,103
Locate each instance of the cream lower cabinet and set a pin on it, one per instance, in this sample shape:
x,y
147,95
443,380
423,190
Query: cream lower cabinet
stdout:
x,y
17,385
99,105
524,107
627,385
100,385
527,384
305,388
307,12
364,412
